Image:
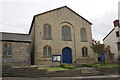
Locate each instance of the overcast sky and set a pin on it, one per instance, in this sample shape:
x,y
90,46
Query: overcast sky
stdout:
x,y
16,15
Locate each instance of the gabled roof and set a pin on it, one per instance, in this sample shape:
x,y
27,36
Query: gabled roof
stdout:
x,y
54,10
109,34
15,37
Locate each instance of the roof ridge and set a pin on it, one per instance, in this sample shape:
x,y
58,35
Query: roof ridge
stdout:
x,y
50,10
14,33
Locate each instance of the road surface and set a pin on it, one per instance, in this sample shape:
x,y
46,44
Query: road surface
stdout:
x,y
106,77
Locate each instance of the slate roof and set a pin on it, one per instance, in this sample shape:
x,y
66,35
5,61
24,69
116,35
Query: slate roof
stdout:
x,y
15,37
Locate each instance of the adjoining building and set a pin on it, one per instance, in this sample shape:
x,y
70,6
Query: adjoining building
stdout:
x,y
61,32
15,49
56,32
113,40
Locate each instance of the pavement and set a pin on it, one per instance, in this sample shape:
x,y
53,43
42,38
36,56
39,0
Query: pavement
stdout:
x,y
102,77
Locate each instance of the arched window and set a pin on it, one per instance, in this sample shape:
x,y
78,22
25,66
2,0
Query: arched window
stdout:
x,y
47,52
7,49
10,49
66,33
83,35
84,52
47,32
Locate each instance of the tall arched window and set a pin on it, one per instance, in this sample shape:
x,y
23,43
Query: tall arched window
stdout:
x,y
47,52
84,52
83,34
47,32
66,33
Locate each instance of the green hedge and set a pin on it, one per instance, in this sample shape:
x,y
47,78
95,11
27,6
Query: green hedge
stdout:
x,y
86,65
69,67
62,65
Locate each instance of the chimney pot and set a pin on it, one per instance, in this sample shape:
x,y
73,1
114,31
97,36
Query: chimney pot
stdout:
x,y
116,23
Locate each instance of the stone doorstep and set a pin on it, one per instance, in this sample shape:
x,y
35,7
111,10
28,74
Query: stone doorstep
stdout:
x,y
32,66
41,66
23,66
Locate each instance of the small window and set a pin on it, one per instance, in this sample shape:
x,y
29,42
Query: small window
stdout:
x,y
10,49
7,49
117,34
118,45
47,52
85,52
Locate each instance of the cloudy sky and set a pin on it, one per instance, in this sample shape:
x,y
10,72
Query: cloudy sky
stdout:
x,y
16,15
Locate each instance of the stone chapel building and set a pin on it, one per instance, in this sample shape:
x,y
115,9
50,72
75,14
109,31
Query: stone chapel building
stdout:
x,y
56,32
61,31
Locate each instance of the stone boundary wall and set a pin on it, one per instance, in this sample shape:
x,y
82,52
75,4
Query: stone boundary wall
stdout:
x,y
110,71
34,72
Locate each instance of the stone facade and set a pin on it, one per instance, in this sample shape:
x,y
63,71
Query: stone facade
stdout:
x,y
20,54
57,18
15,49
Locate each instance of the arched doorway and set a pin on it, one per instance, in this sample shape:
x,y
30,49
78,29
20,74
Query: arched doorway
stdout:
x,y
67,55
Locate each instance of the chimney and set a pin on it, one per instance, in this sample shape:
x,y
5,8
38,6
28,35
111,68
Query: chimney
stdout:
x,y
116,23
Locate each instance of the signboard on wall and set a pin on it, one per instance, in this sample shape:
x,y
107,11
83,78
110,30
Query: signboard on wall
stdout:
x,y
56,58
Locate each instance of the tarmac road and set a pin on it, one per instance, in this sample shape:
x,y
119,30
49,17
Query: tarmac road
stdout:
x,y
106,77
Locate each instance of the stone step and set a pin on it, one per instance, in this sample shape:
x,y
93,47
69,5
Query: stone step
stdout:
x,y
13,74
23,72
91,72
17,72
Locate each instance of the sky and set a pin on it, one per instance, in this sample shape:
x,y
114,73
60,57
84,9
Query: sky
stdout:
x,y
16,15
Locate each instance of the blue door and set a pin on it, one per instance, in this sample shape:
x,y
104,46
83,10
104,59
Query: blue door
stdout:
x,y
67,55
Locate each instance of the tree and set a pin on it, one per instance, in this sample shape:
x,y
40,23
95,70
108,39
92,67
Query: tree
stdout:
x,y
99,48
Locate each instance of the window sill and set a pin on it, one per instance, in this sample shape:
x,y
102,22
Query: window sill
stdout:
x,y
67,40
47,57
8,56
47,39
85,56
83,41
